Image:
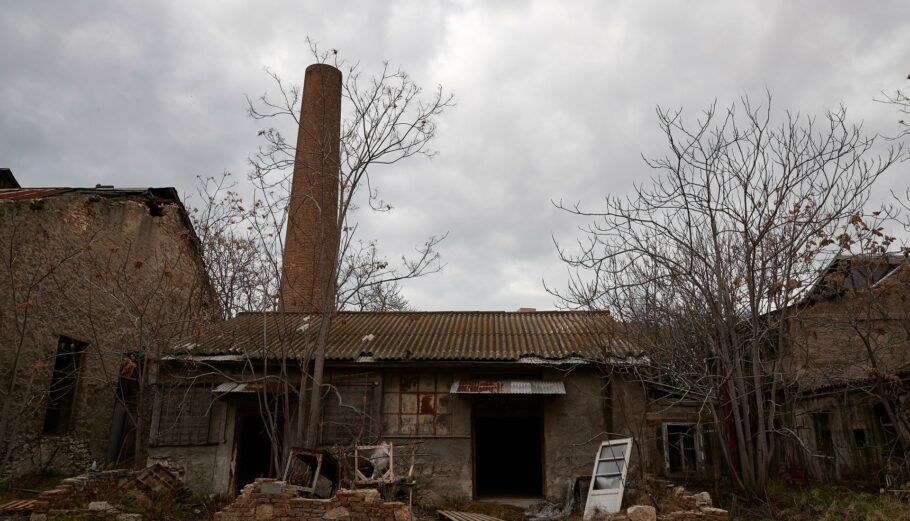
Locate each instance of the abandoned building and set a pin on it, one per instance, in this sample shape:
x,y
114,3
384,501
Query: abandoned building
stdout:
x,y
111,354
491,404
851,358
93,283
502,404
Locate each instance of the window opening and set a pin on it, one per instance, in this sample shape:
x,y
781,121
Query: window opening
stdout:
x,y
184,417
64,380
349,413
417,404
859,438
681,448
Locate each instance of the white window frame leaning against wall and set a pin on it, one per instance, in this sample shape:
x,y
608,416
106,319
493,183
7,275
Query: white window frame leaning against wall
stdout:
x,y
605,492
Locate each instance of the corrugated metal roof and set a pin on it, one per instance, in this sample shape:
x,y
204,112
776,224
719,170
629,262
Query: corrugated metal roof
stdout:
x,y
442,335
27,194
505,386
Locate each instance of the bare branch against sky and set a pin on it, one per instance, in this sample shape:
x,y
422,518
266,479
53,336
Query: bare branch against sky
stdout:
x,y
556,101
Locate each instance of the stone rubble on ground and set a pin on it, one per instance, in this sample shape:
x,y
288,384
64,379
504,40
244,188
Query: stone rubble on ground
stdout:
x,y
684,506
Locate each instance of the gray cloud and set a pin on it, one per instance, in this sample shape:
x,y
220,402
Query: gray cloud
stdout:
x,y
555,101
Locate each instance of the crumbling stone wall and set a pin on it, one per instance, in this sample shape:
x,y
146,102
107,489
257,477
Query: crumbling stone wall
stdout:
x,y
67,454
122,274
267,499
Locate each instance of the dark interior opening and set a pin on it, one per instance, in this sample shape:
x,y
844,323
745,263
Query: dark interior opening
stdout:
x,y
254,450
508,451
681,448
62,391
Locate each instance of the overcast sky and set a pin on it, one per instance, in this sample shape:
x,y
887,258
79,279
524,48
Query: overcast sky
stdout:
x,y
555,101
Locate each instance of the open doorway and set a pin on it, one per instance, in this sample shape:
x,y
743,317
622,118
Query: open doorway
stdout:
x,y
254,450
508,448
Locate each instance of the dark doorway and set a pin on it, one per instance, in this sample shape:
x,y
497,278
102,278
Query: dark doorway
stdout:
x,y
62,392
508,448
254,450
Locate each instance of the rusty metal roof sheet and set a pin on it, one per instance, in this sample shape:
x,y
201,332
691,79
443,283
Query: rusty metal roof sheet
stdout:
x,y
441,335
507,386
19,505
27,194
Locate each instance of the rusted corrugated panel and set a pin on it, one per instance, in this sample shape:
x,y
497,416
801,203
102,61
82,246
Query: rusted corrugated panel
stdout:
x,y
20,505
452,515
505,386
26,194
439,336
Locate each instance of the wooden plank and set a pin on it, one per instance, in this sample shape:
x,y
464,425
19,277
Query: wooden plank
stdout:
x,y
452,515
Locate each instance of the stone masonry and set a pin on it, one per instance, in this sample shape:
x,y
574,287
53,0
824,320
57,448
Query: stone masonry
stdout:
x,y
268,500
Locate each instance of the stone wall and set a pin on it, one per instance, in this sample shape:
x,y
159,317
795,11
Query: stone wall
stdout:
x,y
267,500
68,454
110,272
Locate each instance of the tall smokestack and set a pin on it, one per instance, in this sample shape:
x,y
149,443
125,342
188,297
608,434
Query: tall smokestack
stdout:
x,y
311,242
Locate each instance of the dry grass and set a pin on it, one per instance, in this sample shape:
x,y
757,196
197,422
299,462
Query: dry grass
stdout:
x,y
827,503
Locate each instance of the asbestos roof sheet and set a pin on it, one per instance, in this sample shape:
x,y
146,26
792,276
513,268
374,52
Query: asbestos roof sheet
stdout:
x,y
397,336
501,386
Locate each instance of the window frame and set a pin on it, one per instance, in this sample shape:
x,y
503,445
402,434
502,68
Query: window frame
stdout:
x,y
700,459
441,387
608,500
163,438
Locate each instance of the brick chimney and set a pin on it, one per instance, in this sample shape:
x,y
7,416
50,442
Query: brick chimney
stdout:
x,y
311,242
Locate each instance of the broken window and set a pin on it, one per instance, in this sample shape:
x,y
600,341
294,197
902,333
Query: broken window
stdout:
x,y
62,392
681,448
416,404
184,415
349,413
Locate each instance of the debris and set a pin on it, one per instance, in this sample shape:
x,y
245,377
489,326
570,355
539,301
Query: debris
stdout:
x,y
100,506
451,515
552,511
315,472
641,513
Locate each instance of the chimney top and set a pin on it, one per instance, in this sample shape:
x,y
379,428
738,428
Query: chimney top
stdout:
x,y
527,310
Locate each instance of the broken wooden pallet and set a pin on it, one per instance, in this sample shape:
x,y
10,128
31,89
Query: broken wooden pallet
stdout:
x,y
451,515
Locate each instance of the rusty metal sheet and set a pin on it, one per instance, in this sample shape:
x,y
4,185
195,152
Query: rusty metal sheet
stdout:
x,y
250,387
20,505
505,386
26,194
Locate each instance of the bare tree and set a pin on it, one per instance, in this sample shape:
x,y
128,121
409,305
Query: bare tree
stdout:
x,y
704,264
387,119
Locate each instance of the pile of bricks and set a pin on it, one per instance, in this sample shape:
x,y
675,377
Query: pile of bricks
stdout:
x,y
270,500
81,489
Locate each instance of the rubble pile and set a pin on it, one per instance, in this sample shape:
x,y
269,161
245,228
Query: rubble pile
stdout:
x,y
87,494
679,505
267,500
